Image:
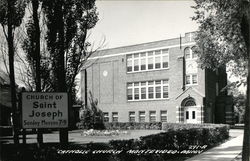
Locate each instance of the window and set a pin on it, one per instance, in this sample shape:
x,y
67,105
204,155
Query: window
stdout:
x,y
130,94
131,116
191,79
141,116
157,62
163,116
143,93
106,117
149,60
187,114
187,53
136,65
136,93
129,63
193,114
152,116
190,53
114,116
150,63
158,89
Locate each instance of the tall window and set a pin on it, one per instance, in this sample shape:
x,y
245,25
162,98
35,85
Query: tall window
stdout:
x,y
142,116
114,116
152,116
191,79
190,53
150,60
131,116
106,117
148,90
163,116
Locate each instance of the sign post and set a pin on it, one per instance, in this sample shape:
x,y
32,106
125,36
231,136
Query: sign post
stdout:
x,y
44,110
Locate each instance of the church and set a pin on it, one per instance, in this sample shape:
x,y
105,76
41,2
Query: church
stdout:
x,y
157,81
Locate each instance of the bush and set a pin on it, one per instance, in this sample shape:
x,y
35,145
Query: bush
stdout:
x,y
178,139
92,116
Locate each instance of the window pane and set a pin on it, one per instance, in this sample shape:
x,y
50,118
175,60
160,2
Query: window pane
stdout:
x,y
164,51
143,64
194,52
163,116
187,115
129,56
114,116
130,84
136,93
165,91
194,79
152,116
151,83
150,53
143,93
136,84
165,81
165,61
136,64
150,63
157,62
136,55
188,79
158,92
157,52
187,53
143,54
129,65
150,92
143,83
131,116
158,82
129,96
193,114
141,116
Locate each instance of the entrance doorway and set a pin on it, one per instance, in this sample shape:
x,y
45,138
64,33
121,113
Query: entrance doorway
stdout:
x,y
190,110
190,114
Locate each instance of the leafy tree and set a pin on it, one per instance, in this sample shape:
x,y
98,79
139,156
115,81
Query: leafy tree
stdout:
x,y
11,14
223,37
67,24
92,117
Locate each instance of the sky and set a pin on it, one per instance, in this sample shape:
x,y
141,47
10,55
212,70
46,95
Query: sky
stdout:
x,y
123,22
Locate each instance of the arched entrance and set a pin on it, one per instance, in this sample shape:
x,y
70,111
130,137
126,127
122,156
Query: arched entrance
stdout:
x,y
190,110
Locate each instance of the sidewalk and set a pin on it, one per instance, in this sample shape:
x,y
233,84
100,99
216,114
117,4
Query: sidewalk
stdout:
x,y
224,152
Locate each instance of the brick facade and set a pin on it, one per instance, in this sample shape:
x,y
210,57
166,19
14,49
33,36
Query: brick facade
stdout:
x,y
108,78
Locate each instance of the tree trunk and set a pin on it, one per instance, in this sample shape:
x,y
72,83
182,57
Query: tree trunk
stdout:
x,y
60,69
246,35
12,70
35,5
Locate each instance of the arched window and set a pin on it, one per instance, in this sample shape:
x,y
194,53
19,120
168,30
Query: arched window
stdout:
x,y
187,53
189,101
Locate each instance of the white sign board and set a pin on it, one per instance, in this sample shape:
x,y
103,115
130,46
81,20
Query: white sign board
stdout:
x,y
44,110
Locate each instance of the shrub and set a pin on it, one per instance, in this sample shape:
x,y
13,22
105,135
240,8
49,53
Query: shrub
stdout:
x,y
178,139
92,117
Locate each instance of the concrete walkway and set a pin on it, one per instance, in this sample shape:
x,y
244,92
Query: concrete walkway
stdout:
x,y
224,152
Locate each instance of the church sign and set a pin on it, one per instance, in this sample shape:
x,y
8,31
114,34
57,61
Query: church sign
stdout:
x,y
44,110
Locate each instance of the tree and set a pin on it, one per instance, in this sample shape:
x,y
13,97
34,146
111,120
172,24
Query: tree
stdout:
x,y
67,24
11,14
224,36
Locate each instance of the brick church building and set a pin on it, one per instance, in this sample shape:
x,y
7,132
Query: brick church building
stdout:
x,y
157,81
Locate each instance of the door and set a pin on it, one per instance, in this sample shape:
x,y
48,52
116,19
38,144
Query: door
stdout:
x,y
190,115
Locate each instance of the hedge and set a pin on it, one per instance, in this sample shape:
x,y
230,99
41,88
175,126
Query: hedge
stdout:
x,y
179,139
